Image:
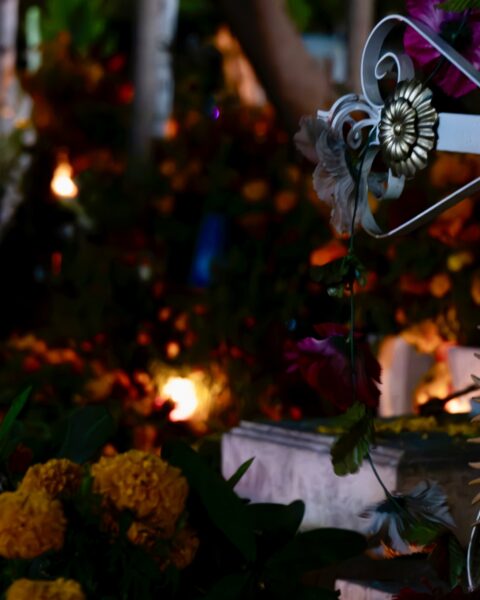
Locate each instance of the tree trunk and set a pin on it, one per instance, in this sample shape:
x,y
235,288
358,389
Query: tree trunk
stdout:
x,y
156,21
295,82
361,20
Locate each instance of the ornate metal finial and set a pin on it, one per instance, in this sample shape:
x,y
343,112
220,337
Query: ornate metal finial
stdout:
x,y
407,128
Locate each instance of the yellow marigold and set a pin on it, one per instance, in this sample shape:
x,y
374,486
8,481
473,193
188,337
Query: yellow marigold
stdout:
x,y
184,548
144,484
56,477
30,524
60,589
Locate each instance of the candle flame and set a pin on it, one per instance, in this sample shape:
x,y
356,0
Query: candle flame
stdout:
x,y
458,405
181,391
62,184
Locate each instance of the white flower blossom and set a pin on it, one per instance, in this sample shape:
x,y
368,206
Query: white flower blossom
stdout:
x,y
391,519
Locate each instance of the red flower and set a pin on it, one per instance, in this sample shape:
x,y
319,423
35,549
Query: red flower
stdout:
x,y
325,365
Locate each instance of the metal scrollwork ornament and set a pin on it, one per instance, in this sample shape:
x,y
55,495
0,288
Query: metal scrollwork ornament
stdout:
x,y
404,127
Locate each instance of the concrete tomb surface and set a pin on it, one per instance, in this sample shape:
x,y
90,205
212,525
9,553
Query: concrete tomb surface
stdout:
x,y
293,464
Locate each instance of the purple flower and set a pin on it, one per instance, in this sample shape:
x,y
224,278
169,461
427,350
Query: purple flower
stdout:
x,y
460,29
325,366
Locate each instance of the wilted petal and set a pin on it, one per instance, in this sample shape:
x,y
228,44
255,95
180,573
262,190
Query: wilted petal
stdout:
x,y
306,137
324,185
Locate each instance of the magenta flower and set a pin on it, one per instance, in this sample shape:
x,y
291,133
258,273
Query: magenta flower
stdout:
x,y
325,365
460,29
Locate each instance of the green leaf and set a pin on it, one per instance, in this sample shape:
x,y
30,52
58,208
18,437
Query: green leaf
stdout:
x,y
230,587
240,472
223,506
85,21
351,447
10,419
316,549
457,560
339,272
458,5
423,533
87,430
301,12
277,518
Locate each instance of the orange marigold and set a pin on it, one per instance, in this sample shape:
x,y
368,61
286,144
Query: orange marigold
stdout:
x,y
57,477
144,484
60,589
30,524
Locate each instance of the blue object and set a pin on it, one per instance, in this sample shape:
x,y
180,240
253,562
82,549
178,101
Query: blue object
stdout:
x,y
209,248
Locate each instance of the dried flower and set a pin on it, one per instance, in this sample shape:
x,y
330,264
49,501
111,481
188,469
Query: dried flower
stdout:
x,y
325,365
462,30
391,519
144,484
60,589
332,178
30,524
57,477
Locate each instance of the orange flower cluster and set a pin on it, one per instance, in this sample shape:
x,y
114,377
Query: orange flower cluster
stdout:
x,y
60,589
144,484
155,493
57,477
30,524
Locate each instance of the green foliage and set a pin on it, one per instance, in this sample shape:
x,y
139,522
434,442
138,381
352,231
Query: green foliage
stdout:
x,y
84,21
301,12
9,421
223,506
340,274
277,519
351,447
240,472
448,558
230,587
423,533
316,549
459,5
87,429
456,559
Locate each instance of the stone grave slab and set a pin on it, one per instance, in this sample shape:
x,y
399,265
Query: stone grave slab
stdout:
x,y
294,463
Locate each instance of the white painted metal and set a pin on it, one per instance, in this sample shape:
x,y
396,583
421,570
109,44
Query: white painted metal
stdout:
x,y
456,132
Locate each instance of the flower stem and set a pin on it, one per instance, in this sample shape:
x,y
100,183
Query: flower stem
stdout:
x,y
378,478
351,339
